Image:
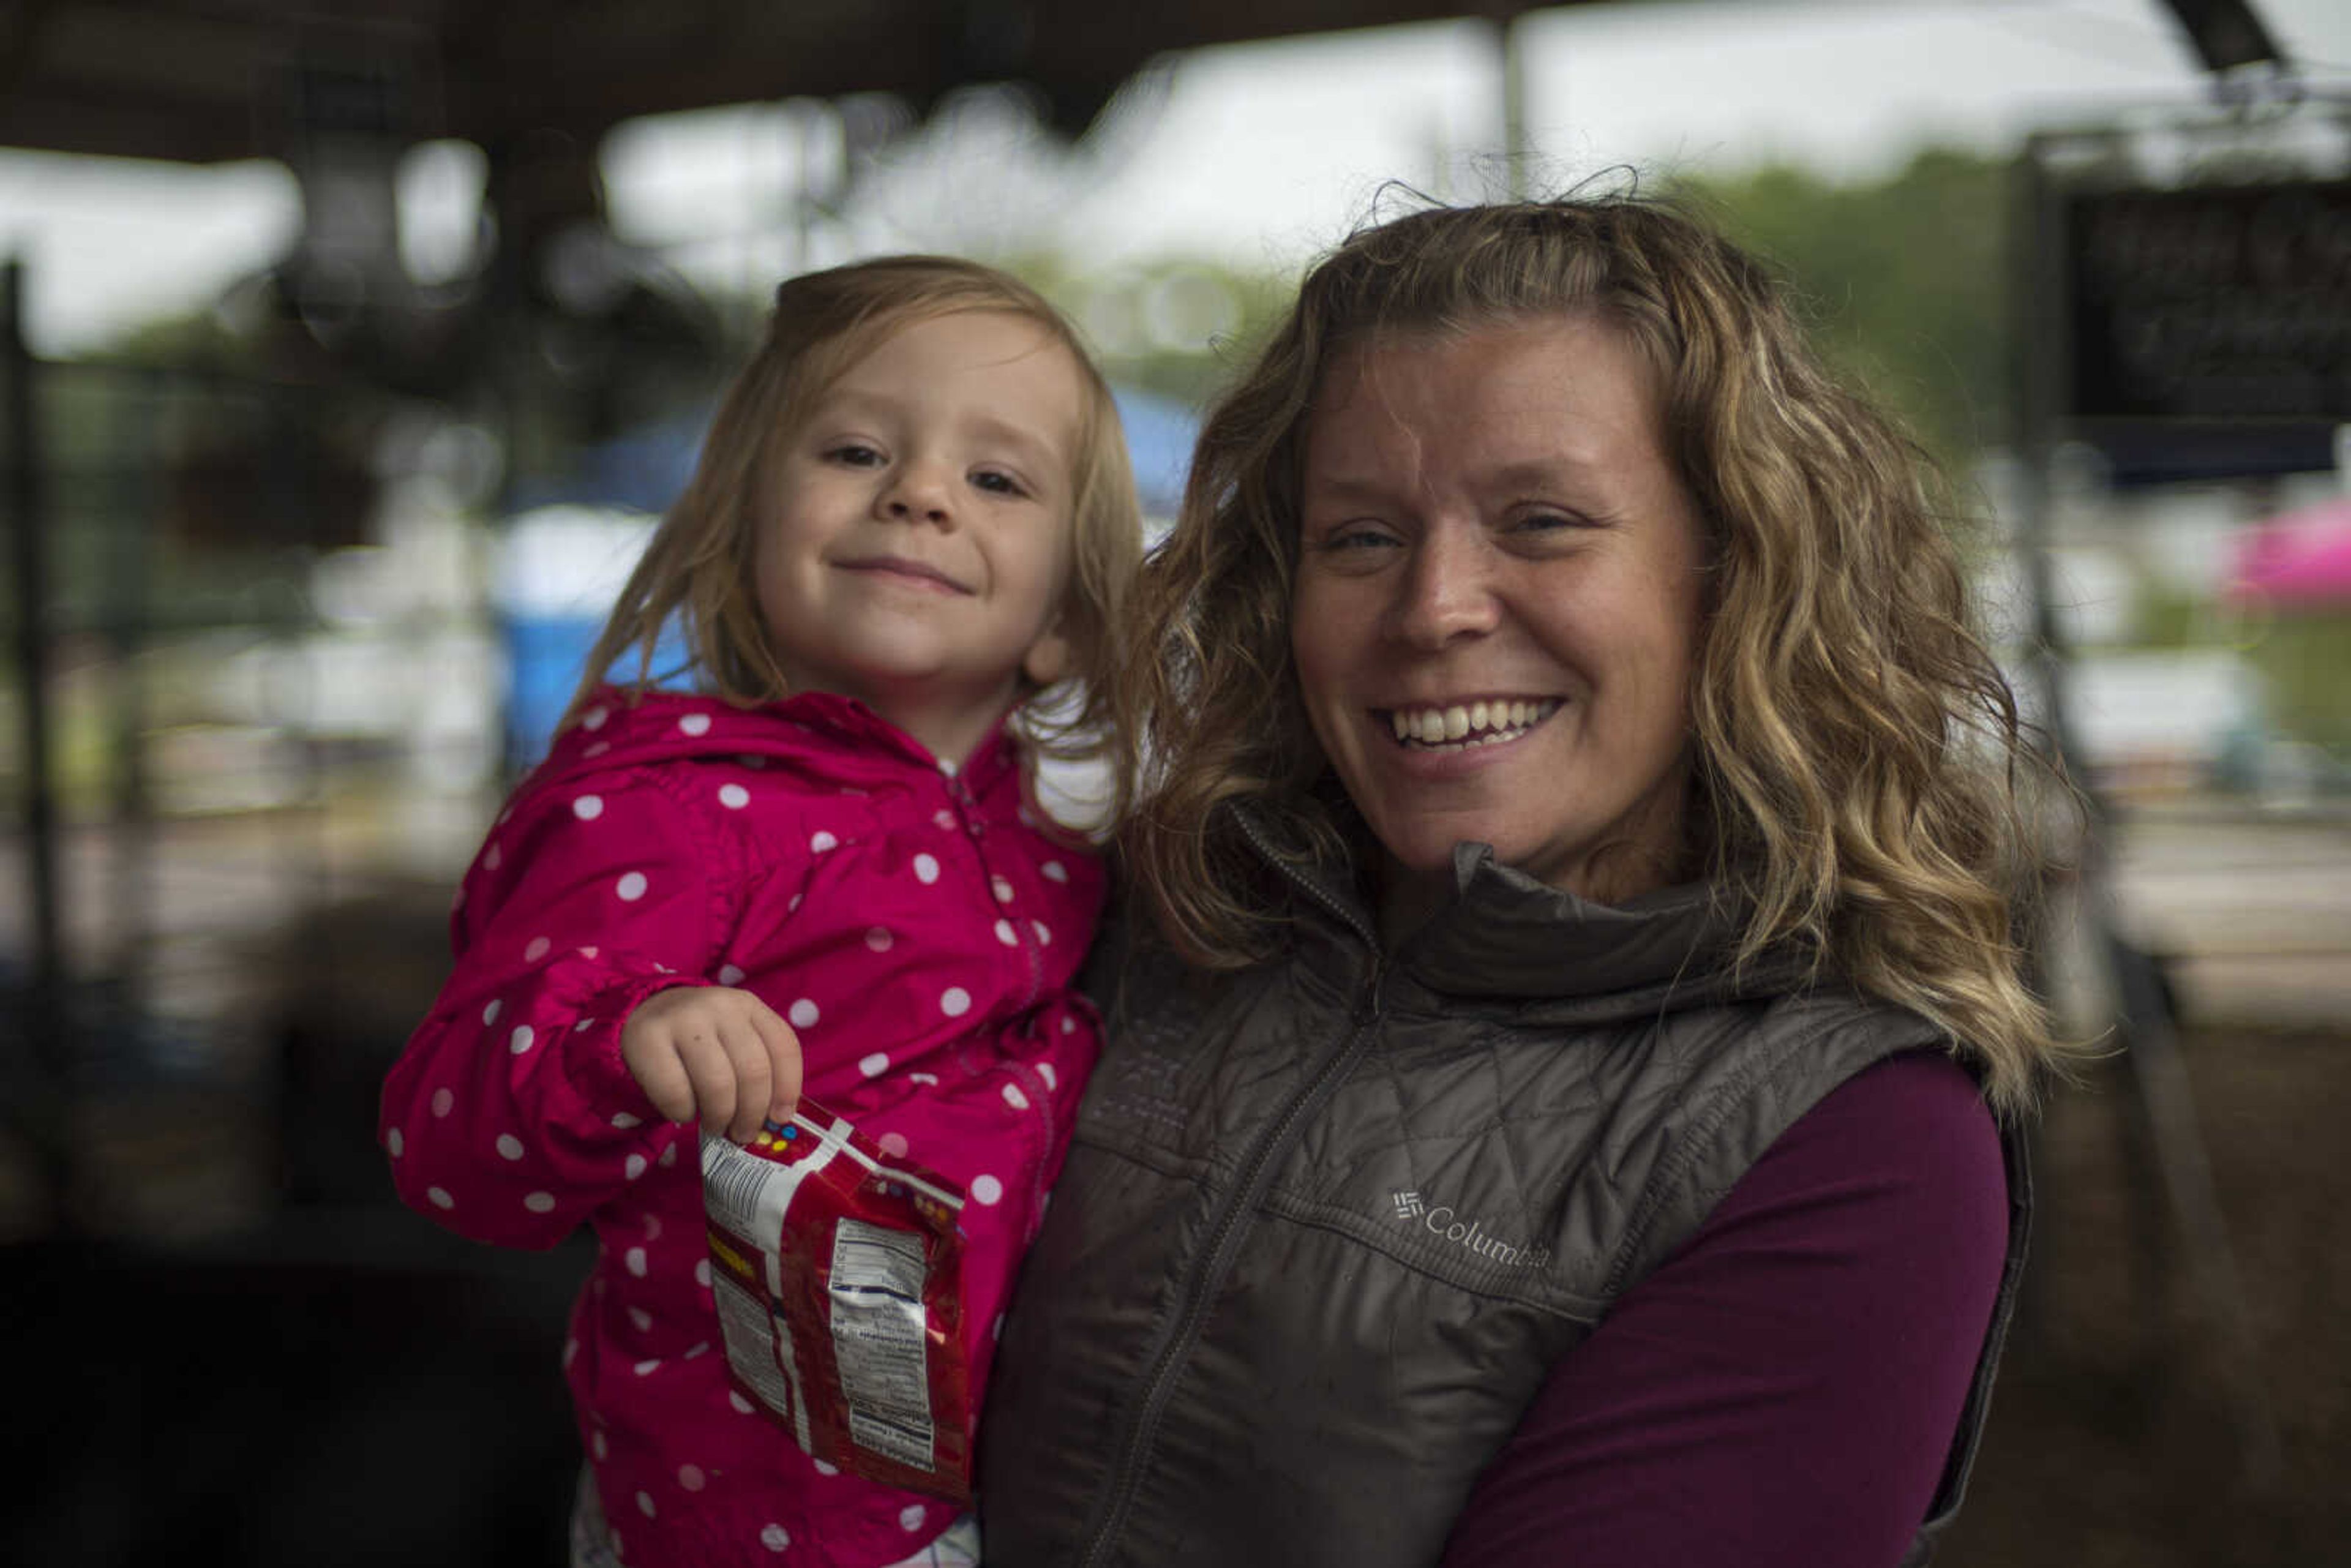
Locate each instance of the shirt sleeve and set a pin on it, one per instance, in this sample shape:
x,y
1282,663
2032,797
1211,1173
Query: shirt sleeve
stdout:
x,y
1783,1391
509,1115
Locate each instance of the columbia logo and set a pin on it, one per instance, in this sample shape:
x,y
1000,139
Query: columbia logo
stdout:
x,y
1409,1204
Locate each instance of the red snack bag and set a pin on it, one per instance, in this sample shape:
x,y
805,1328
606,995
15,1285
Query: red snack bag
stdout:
x,y
839,1276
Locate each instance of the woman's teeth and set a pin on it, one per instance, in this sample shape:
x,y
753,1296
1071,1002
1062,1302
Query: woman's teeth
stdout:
x,y
1473,724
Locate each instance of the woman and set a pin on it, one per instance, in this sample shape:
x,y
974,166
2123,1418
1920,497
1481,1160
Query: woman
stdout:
x,y
1560,1075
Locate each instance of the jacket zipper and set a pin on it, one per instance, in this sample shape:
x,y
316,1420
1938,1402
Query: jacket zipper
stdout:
x,y
1214,1258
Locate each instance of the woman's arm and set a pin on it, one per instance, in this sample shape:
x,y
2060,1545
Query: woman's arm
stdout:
x,y
1784,1390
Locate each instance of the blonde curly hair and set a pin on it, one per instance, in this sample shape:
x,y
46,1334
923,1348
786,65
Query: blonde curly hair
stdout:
x,y
1865,792
695,576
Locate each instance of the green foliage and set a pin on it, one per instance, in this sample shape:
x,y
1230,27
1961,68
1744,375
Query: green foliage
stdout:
x,y
1903,281
2302,658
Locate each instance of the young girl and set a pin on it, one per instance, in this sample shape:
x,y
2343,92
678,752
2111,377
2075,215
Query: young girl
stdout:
x,y
912,512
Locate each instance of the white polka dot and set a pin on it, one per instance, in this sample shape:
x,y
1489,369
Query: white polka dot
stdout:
x,y
587,951
593,718
954,1001
694,723
493,858
537,950
699,1347
1014,1098
1007,935
634,1167
440,1197
669,1157
443,1101
733,797
624,1120
986,1190
635,1260
509,1146
735,1397
874,1065
1052,1079
701,1274
1001,888
728,974
914,1513
598,749
641,1318
1056,871
803,1014
944,820
521,1039
539,1202
588,807
644,1499
647,1367
930,1079
631,887
653,1227
775,1537
602,1448
396,1143
820,841
926,869
490,1014
878,937
690,1477
893,1145
1069,1026
1044,935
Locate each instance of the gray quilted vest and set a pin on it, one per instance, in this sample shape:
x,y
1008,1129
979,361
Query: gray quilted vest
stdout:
x,y
1328,1223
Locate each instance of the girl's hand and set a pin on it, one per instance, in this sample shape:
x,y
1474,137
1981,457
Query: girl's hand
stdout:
x,y
714,1054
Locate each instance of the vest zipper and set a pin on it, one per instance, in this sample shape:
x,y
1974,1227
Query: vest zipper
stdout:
x,y
1214,1258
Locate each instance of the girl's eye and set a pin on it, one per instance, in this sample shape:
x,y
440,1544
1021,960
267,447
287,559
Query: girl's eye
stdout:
x,y
853,455
998,482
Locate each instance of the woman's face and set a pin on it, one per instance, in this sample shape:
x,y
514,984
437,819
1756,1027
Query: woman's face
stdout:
x,y
1497,601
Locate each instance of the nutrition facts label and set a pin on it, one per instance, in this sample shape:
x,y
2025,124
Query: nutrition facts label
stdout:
x,y
879,1339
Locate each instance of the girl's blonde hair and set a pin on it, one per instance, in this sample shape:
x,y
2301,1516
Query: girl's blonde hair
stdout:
x,y
695,576
1863,788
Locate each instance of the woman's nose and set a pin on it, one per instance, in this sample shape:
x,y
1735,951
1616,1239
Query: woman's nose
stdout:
x,y
1446,589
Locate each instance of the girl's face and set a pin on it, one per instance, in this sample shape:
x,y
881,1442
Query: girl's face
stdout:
x,y
1497,605
917,535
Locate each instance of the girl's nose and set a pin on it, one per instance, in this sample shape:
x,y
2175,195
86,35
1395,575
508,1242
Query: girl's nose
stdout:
x,y
917,494
1444,591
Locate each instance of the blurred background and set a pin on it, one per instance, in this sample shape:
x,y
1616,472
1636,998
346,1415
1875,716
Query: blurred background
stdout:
x,y
353,346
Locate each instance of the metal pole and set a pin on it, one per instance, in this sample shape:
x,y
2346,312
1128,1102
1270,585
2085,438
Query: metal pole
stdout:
x,y
42,1020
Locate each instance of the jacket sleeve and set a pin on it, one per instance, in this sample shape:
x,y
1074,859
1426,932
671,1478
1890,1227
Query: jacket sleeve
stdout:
x,y
1784,1390
510,1116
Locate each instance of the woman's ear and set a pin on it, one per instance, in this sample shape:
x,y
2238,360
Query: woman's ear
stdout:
x,y
1048,659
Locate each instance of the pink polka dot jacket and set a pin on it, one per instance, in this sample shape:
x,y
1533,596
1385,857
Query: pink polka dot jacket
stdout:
x,y
919,927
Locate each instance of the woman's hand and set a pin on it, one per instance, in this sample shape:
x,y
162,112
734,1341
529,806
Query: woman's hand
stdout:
x,y
714,1054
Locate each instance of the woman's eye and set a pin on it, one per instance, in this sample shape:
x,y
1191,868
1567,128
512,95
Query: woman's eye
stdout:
x,y
1546,522
1356,538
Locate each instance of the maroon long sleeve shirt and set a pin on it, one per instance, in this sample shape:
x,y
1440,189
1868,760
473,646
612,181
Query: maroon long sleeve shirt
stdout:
x,y
1783,1391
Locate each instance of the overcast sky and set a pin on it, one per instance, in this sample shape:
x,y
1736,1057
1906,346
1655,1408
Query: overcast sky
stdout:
x,y
1258,155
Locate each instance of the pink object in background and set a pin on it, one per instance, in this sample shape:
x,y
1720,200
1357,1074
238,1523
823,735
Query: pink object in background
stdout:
x,y
2300,559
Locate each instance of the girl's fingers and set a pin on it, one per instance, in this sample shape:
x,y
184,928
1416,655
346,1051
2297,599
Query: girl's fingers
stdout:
x,y
782,1048
747,1057
712,1071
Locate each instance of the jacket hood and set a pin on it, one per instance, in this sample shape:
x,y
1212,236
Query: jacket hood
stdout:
x,y
836,739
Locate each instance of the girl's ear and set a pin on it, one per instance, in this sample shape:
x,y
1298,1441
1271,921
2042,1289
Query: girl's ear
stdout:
x,y
1048,658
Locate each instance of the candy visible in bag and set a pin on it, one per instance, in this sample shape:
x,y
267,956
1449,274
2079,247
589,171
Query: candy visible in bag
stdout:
x,y
838,1273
